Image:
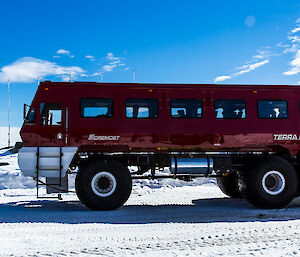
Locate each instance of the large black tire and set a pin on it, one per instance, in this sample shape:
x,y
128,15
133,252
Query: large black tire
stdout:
x,y
103,185
270,183
229,185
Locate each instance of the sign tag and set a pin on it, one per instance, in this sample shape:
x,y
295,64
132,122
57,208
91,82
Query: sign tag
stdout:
x,y
282,137
93,137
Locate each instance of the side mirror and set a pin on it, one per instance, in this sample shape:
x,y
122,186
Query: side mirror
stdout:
x,y
24,111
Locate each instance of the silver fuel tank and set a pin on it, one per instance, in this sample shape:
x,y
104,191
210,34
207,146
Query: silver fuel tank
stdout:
x,y
203,166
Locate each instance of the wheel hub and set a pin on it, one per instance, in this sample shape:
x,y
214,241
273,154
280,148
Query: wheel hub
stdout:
x,y
273,182
270,182
103,184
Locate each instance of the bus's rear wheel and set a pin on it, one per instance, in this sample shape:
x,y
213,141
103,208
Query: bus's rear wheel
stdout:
x,y
103,185
271,183
229,185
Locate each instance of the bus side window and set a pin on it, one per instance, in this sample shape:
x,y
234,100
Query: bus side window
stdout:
x,y
230,109
186,108
51,114
96,107
141,108
272,109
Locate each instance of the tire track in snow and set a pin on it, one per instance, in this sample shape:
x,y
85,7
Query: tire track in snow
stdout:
x,y
218,240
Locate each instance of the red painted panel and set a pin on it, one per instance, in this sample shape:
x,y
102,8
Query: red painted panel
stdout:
x,y
165,132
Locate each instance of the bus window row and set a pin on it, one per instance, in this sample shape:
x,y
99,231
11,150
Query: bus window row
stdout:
x,y
183,108
51,113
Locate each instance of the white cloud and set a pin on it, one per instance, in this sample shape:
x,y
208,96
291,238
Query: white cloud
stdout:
x,y
66,78
291,49
113,62
295,30
294,48
243,69
258,56
28,69
280,44
64,52
222,78
288,48
251,67
111,57
295,65
90,57
109,67
294,39
264,53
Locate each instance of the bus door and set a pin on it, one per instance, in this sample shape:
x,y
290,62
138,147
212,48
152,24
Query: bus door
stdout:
x,y
53,124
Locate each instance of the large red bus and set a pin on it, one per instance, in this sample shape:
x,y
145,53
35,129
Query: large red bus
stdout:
x,y
247,136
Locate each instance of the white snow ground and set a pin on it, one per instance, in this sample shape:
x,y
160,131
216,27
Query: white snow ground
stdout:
x,y
170,218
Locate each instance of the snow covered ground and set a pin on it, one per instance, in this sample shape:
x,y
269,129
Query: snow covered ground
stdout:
x,y
170,218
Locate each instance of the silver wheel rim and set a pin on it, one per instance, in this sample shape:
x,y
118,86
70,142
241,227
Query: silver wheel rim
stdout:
x,y
273,182
104,184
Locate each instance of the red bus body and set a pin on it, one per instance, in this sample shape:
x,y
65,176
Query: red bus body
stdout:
x,y
165,133
252,157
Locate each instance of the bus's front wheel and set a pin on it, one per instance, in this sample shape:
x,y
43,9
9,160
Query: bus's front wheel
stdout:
x,y
103,185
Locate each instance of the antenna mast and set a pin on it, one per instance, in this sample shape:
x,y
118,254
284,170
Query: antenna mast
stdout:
x,y
8,91
133,75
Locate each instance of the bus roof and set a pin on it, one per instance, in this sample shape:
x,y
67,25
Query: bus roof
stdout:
x,y
165,85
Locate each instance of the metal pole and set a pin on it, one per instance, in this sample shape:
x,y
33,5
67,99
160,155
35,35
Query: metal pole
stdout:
x,y
101,76
8,90
133,75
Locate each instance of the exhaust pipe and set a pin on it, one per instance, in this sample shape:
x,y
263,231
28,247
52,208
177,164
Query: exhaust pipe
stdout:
x,y
185,166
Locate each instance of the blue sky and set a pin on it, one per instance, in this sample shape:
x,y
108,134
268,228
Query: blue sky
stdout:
x,y
248,42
